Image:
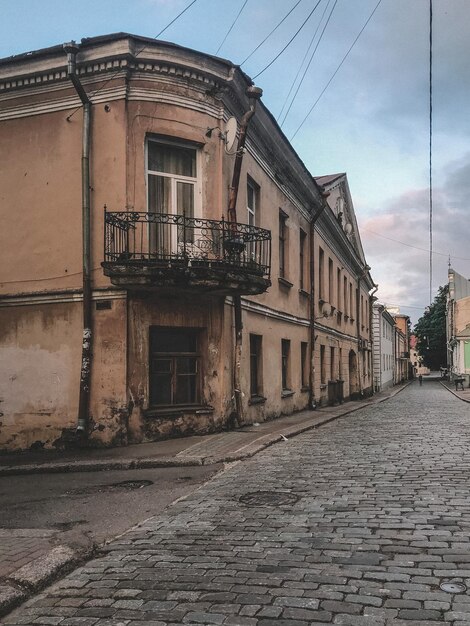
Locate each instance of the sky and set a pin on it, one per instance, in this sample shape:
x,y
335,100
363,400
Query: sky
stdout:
x,y
371,122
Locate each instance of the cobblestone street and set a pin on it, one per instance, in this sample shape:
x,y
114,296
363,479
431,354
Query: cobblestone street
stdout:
x,y
356,523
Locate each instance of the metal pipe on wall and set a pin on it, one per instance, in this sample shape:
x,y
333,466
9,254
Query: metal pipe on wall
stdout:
x,y
254,94
71,50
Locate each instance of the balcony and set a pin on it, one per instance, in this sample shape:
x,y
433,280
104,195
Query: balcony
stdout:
x,y
145,250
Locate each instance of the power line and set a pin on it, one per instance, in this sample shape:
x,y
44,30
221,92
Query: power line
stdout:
x,y
289,42
310,61
119,69
337,70
430,151
408,245
303,60
231,27
269,35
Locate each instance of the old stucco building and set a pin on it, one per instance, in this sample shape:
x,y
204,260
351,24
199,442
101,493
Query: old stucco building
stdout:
x,y
458,326
136,302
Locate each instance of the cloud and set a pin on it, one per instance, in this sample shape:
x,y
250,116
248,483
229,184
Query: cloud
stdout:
x,y
396,240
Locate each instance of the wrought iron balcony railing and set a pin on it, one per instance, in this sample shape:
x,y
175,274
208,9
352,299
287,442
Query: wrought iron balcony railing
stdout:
x,y
157,249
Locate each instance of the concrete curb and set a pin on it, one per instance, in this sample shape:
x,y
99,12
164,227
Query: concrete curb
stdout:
x,y
454,393
34,576
247,451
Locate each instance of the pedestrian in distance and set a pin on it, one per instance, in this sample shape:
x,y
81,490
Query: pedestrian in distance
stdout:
x,y
420,378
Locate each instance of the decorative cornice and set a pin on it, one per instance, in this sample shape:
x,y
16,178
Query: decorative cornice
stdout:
x,y
261,309
51,297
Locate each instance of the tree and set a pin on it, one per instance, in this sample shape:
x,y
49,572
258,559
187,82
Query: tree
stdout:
x,y
430,331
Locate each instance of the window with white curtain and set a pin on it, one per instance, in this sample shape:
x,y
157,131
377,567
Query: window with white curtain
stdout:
x,y
172,189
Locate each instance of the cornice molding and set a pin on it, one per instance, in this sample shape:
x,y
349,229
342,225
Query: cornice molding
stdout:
x,y
51,297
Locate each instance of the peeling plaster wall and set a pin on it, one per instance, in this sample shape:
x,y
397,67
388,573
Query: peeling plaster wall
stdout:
x,y
39,371
109,410
203,312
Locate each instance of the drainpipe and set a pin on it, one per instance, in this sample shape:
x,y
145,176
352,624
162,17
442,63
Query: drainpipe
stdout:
x,y
71,50
311,401
254,94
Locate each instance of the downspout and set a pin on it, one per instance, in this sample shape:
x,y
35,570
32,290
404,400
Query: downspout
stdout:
x,y
312,401
85,372
254,94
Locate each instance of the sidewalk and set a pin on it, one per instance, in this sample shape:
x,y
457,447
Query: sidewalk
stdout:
x,y
32,558
462,394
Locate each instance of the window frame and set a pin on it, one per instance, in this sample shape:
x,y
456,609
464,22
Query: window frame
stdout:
x,y
196,181
285,365
283,244
252,212
256,365
173,357
302,256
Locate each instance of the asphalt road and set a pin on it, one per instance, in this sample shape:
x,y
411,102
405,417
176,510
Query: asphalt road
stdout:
x,y
94,506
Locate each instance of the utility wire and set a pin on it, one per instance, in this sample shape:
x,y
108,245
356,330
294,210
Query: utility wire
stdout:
x,y
119,69
408,245
269,35
430,151
231,27
309,63
289,42
337,70
303,61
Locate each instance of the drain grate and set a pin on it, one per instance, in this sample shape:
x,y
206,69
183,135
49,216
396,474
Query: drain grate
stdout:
x,y
452,586
268,498
125,485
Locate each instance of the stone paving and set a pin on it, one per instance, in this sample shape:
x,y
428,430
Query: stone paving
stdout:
x,y
20,546
357,523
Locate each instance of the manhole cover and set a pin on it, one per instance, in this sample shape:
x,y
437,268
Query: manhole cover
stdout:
x,y
453,587
125,485
268,498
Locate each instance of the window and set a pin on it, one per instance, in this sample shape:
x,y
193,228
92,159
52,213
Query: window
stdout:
x,y
283,233
302,244
304,369
332,364
322,365
338,289
321,275
285,364
174,366
345,295
351,308
252,202
172,190
330,281
255,365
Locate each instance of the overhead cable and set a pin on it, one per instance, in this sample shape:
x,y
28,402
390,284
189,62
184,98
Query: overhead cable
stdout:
x,y
430,151
336,71
408,245
231,27
273,30
303,61
309,63
289,42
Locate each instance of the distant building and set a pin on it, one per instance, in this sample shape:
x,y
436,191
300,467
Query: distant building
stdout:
x,y
402,347
383,347
416,360
458,326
